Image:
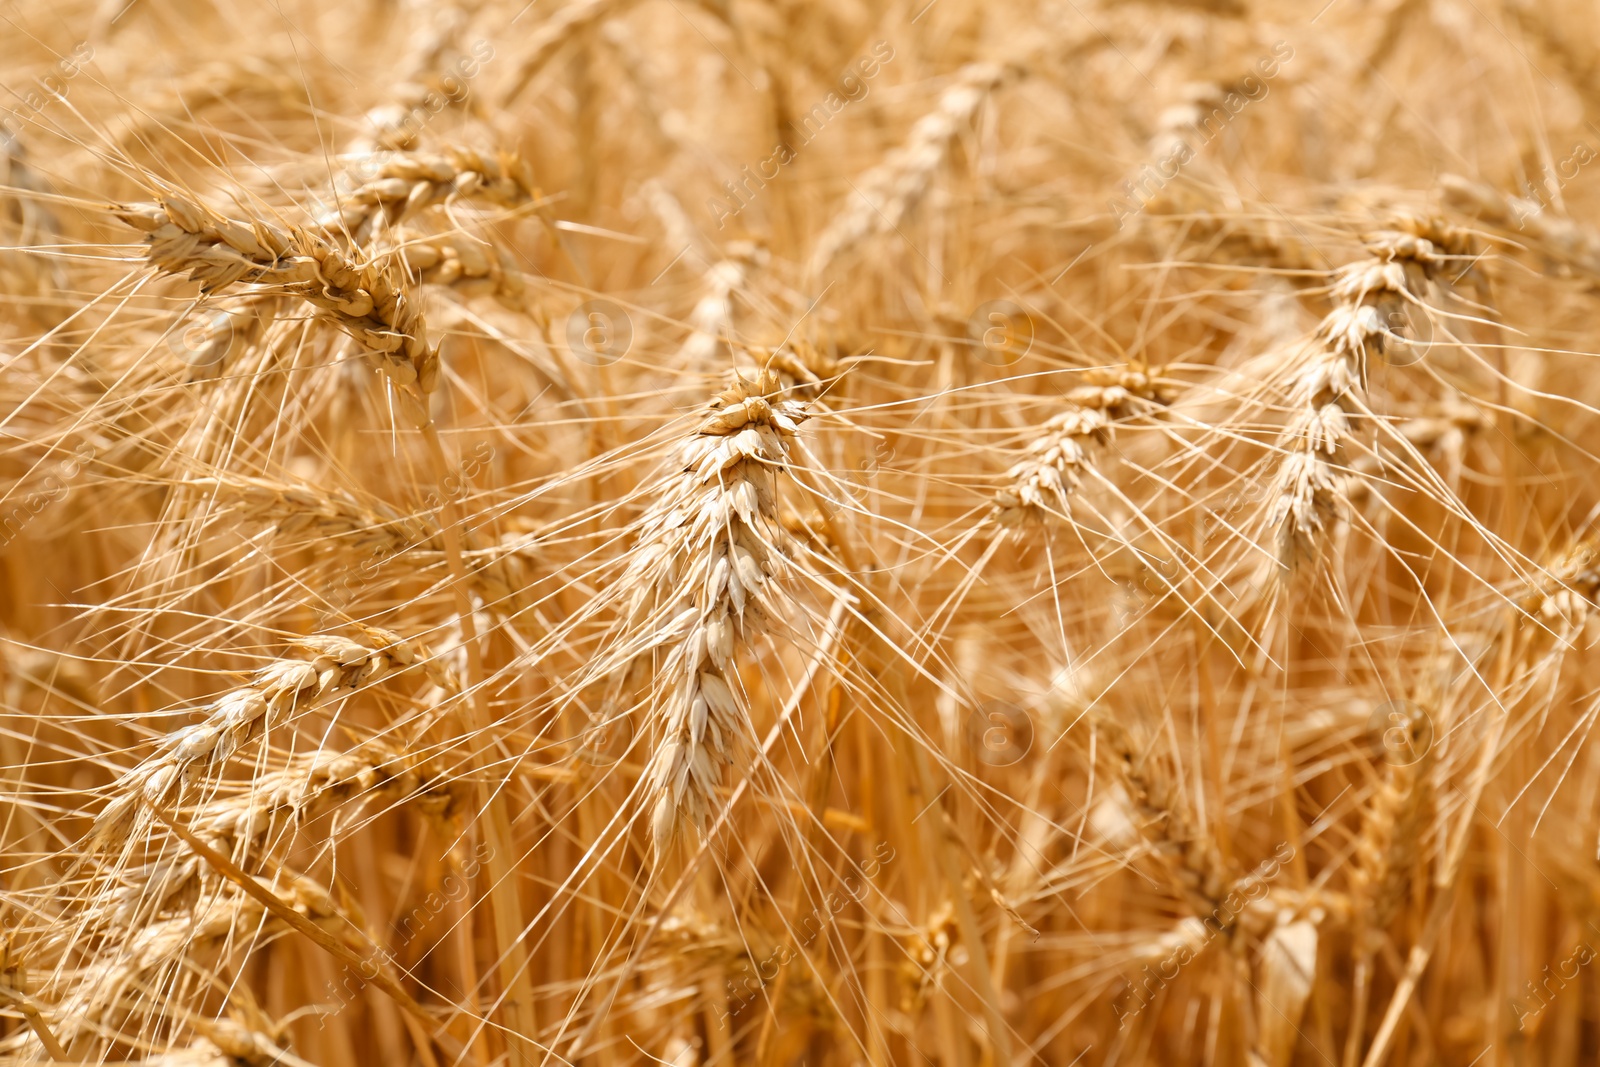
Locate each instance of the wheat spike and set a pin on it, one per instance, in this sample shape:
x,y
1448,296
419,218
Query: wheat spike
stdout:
x,y
338,666
710,559
891,190
366,300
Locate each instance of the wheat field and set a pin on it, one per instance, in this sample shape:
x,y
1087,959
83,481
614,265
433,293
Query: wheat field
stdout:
x,y
755,532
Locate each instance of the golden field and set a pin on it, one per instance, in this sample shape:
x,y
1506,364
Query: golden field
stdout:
x,y
754,532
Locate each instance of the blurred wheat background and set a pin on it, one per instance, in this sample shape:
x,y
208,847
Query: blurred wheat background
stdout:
x,y
757,532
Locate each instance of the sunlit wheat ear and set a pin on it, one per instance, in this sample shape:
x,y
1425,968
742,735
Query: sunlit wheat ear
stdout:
x,y
1388,848
336,522
261,820
711,322
1041,485
689,945
887,193
374,772
926,962
198,930
337,667
317,513
182,96
723,271
366,300
1329,382
205,929
229,1041
404,184
709,555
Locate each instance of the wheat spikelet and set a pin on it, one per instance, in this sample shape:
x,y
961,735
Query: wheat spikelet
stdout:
x,y
373,771
256,821
1386,854
393,125
169,102
210,924
803,369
